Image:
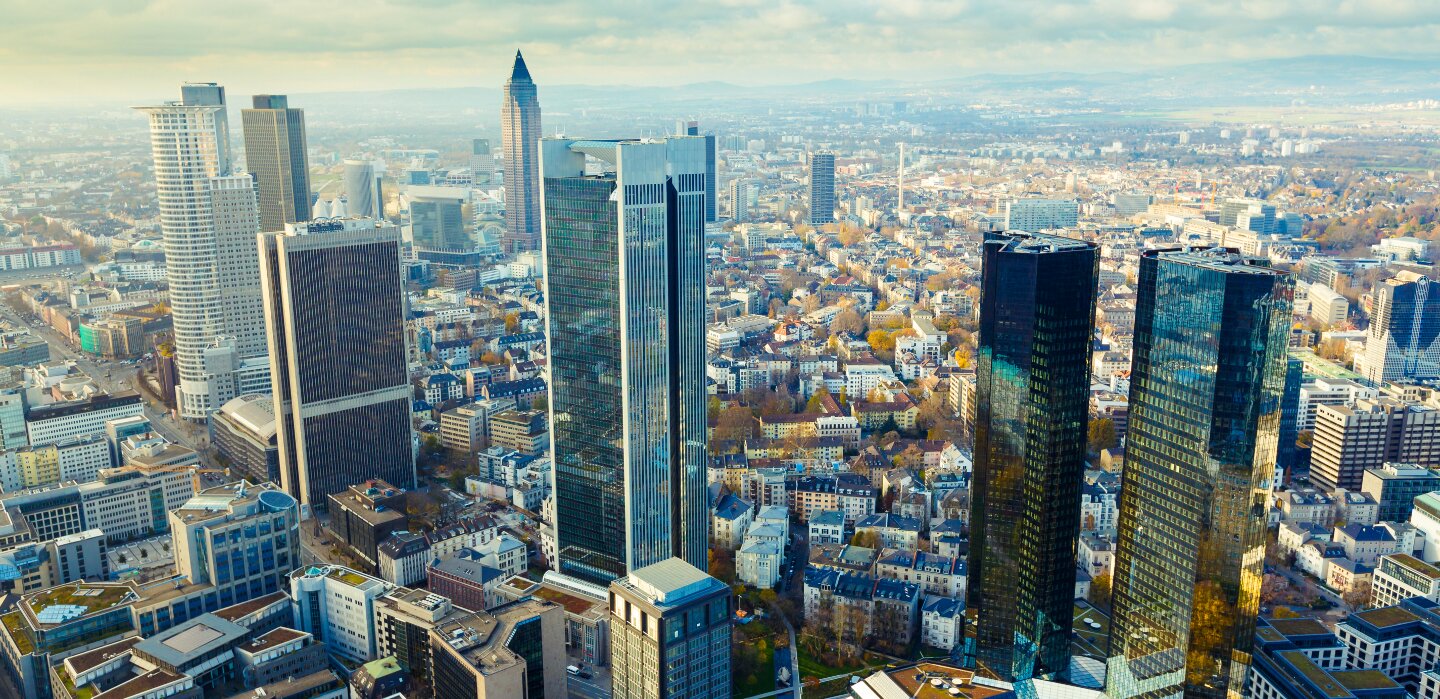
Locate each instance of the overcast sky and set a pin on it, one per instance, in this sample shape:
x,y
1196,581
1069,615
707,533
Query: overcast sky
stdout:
x,y
136,51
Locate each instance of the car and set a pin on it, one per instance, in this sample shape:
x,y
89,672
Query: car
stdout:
x,y
572,670
585,675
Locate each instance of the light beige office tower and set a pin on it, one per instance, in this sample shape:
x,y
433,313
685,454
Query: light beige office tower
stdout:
x,y
275,155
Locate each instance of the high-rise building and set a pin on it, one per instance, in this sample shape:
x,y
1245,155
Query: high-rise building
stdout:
x,y
822,188
333,287
482,161
437,219
520,140
1404,340
363,195
670,634
209,219
514,650
739,200
1041,214
692,128
1036,327
212,95
275,154
625,270
1209,371
1350,439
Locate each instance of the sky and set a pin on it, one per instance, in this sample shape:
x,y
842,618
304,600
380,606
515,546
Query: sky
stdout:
x,y
136,51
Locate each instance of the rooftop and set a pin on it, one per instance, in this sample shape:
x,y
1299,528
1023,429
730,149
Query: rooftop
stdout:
x,y
671,581
276,637
1386,617
141,685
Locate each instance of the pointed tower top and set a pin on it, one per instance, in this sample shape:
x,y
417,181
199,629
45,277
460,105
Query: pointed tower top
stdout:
x,y
519,73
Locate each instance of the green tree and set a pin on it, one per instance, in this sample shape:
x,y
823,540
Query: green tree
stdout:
x,y
1100,591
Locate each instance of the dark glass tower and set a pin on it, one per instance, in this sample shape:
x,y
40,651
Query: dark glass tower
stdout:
x,y
1205,393
334,286
625,298
275,155
520,140
1037,319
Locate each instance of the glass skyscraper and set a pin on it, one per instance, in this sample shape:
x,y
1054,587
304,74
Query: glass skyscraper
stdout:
x,y
1404,341
1206,388
1037,319
625,276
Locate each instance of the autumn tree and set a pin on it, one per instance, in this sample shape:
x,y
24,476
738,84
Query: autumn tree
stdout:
x,y
847,321
1102,435
1358,596
734,425
512,323
864,539
813,405
1100,591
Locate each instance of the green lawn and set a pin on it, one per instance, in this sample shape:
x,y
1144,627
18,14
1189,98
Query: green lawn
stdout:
x,y
833,688
764,681
812,667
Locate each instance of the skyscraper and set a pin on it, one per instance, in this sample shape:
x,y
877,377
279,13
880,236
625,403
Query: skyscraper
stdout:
x,y
209,218
520,138
625,270
275,155
362,190
1032,407
1404,340
212,95
692,128
335,286
482,161
1208,376
739,200
822,188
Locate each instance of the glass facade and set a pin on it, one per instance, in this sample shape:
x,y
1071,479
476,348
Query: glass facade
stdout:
x,y
1206,387
520,140
437,223
625,293
1032,407
275,153
527,641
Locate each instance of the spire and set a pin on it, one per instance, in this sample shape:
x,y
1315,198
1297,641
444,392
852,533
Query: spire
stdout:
x,y
519,73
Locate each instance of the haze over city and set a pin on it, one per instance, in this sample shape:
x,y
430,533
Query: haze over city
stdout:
x,y
920,349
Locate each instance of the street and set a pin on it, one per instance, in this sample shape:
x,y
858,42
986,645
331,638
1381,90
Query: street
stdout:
x,y
113,377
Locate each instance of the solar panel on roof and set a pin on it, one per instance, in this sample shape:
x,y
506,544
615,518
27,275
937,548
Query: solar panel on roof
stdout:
x,y
60,613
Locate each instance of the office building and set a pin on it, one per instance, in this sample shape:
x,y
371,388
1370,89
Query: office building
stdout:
x,y
337,605
337,284
516,650
48,424
402,558
403,621
739,200
243,432
670,634
822,188
1036,327
1209,371
520,430
275,155
1327,307
630,486
437,220
1404,340
692,128
366,514
1374,431
209,218
520,141
1395,487
232,543
1041,214
482,161
364,196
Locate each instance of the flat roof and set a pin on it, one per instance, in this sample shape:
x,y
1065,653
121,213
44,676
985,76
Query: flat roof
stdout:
x,y
181,644
672,580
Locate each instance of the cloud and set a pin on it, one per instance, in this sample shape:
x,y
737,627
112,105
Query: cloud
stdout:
x,y
139,49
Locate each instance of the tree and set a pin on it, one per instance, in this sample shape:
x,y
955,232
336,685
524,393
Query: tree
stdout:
x,y
1100,591
813,405
864,539
491,358
512,323
1358,596
881,341
1273,588
850,235
847,321
735,425
1283,612
540,402
713,407
1102,435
